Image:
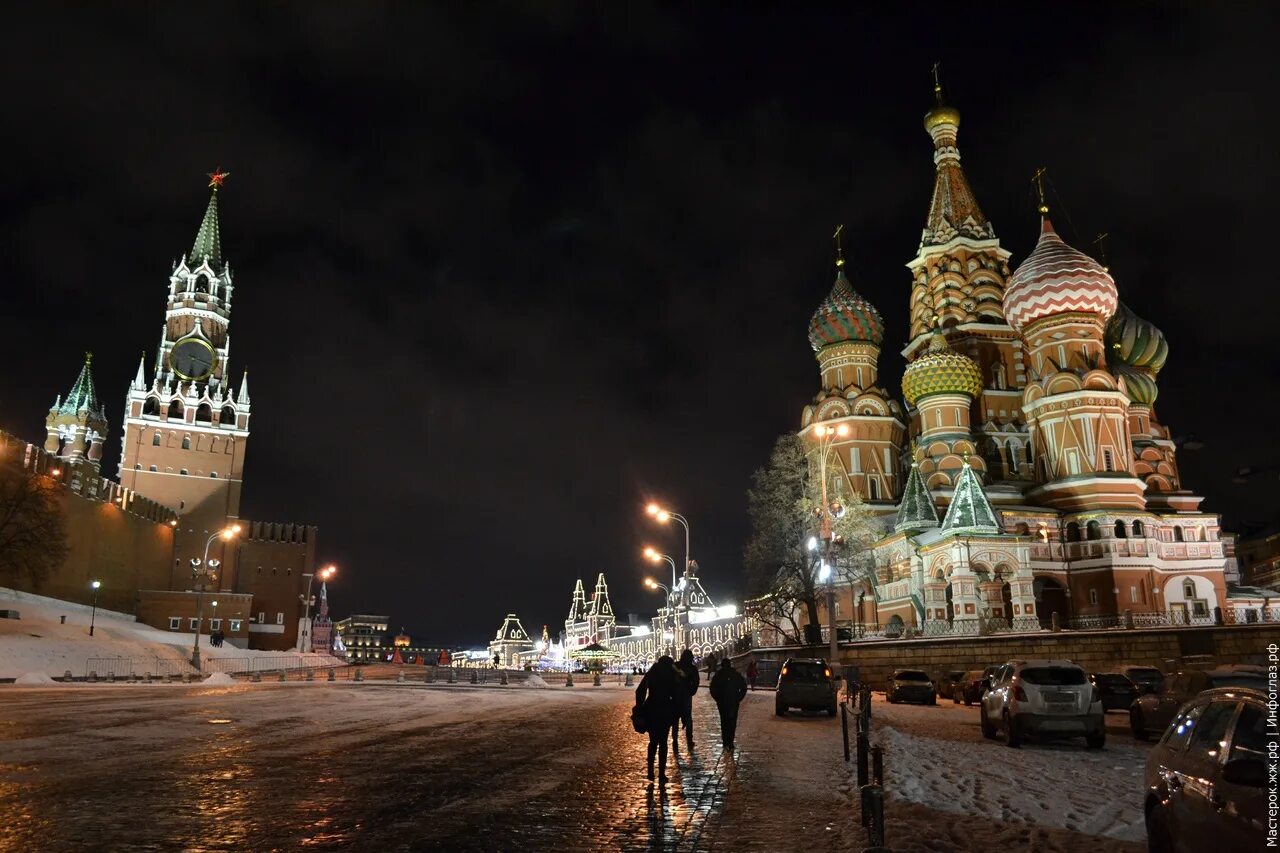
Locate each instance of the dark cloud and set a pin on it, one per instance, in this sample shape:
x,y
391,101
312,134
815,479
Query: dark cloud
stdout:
x,y
506,271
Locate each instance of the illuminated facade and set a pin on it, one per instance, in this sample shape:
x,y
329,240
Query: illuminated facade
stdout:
x,y
364,637
1028,473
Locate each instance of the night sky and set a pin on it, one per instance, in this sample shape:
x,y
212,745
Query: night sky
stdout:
x,y
505,271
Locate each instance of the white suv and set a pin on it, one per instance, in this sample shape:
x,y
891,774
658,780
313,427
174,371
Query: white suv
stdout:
x,y
1042,697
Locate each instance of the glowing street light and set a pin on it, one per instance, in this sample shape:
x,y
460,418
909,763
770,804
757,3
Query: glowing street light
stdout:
x,y
93,614
304,635
827,512
665,515
203,567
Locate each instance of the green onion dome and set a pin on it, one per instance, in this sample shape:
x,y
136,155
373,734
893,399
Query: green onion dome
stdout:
x,y
941,371
845,316
1136,350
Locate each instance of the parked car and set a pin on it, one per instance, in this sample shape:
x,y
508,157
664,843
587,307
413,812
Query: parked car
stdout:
x,y
1152,713
807,684
1117,692
1205,779
970,688
1146,678
1042,698
910,685
946,683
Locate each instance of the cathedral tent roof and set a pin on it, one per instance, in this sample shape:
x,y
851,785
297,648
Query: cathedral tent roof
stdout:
x,y
917,511
82,397
954,211
970,511
208,245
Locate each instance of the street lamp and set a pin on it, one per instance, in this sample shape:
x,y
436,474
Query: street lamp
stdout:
x,y
95,586
325,573
653,584
827,513
654,556
203,566
665,515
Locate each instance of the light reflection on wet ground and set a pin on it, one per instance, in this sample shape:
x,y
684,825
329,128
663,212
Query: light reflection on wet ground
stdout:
x,y
322,769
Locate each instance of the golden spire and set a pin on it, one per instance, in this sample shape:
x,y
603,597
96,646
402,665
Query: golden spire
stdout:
x,y
1101,242
941,114
839,251
937,83
1038,180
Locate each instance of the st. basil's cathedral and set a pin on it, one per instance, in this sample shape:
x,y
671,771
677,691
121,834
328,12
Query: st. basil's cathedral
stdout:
x,y
1028,474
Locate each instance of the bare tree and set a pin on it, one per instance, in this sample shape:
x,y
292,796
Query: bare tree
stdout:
x,y
33,539
782,570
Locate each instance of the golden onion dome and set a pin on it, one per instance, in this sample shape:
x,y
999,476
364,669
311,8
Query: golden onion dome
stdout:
x,y
941,114
941,371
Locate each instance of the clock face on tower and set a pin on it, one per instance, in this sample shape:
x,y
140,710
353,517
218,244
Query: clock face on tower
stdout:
x,y
192,359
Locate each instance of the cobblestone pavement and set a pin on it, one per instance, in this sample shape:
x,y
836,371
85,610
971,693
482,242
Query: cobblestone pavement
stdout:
x,y
369,767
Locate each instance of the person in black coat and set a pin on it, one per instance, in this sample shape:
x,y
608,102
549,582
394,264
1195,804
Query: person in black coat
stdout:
x,y
728,688
689,681
657,698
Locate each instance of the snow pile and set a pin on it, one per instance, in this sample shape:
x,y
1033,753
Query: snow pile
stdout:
x,y
534,680
219,678
34,678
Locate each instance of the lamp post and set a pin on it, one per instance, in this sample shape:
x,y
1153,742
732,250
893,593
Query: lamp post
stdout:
x,y
665,515
204,567
653,584
827,513
305,629
93,614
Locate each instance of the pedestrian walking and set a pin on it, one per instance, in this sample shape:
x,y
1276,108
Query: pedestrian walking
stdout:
x,y
687,671
752,673
728,688
656,696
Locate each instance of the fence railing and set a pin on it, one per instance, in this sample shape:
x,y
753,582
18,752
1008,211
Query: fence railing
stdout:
x,y
275,663
136,668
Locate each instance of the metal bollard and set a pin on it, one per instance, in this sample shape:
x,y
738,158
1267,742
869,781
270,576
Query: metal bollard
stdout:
x,y
93,675
359,674
67,676
873,815
568,679
877,765
595,680
844,729
282,676
111,678
333,676
146,676
311,675
1055,624
453,675
631,680
864,749
256,677
475,676
429,675
503,679
400,677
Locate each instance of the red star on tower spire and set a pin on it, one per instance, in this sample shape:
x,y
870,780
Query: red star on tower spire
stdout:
x,y
217,176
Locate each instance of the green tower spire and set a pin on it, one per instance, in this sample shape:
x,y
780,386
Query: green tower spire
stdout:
x,y
916,512
82,396
208,245
970,511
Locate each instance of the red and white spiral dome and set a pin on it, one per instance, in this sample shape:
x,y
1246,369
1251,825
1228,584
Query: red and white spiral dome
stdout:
x,y
1056,279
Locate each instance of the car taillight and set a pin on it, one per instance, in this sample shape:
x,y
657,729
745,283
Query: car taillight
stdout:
x,y
827,673
1019,693
784,670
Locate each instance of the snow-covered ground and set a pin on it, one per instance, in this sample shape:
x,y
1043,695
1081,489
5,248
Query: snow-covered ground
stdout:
x,y
39,642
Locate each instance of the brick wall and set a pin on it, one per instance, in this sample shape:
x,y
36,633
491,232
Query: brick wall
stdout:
x,y
1094,650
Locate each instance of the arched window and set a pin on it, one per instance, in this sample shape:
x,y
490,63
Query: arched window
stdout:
x,y
183,472
152,468
1137,528
137,467
202,283
213,474
175,409
186,443
1073,532
1177,534
151,407
1121,533
1188,588
227,416
155,440
1094,530
204,414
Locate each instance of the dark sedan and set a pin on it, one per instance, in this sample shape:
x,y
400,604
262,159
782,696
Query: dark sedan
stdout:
x,y
1116,692
910,685
1205,780
1151,714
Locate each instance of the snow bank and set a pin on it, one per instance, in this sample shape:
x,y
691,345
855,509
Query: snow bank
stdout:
x,y
534,680
34,678
219,678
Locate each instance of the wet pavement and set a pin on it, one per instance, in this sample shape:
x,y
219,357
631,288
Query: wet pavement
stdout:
x,y
359,767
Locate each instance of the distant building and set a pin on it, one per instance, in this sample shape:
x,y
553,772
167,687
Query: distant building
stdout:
x,y
365,637
511,641
1259,558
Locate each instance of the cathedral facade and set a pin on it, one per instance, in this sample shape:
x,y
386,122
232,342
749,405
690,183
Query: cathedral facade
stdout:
x,y
1027,474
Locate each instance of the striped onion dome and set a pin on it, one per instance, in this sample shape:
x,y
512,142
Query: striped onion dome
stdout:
x,y
1057,279
939,370
845,316
1136,350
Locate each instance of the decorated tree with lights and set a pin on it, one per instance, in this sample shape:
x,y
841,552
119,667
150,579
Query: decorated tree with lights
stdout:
x,y
784,568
